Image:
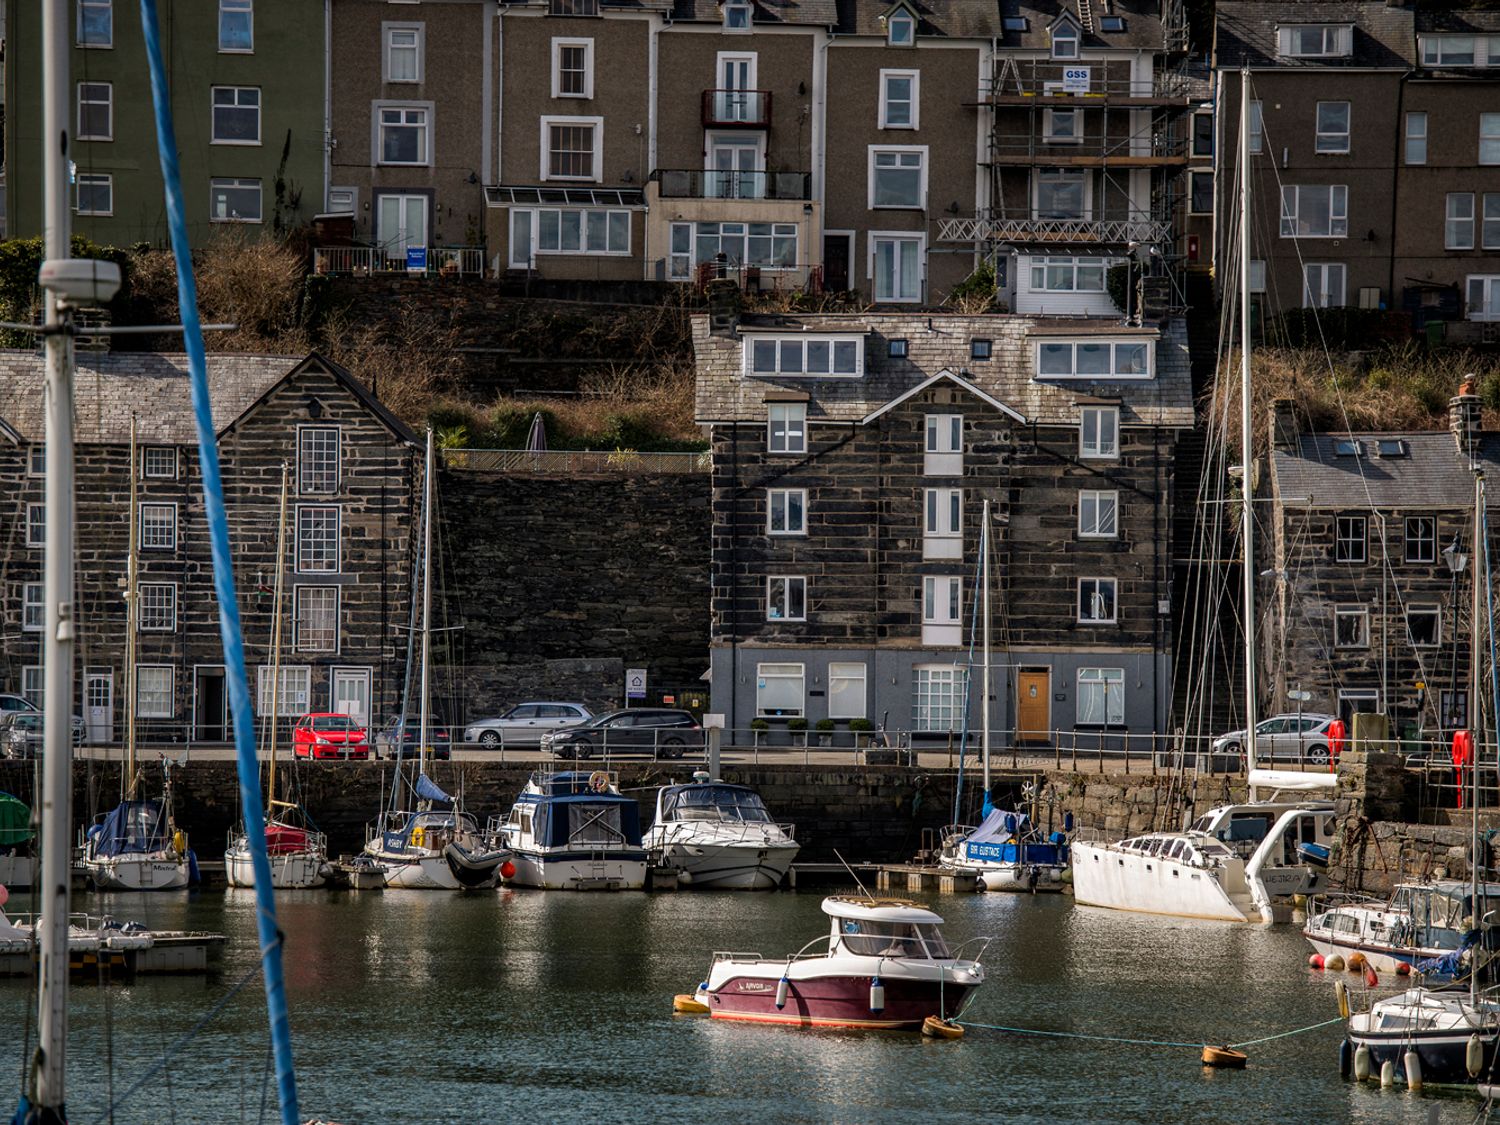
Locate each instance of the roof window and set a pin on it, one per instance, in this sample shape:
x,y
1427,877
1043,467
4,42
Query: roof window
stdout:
x,y
900,27
1112,23
1347,447
1016,23
1391,447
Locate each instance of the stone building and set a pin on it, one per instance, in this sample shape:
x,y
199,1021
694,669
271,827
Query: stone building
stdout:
x,y
352,509
851,458
1369,567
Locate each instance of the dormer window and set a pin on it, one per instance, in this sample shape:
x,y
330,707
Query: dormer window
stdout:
x,y
836,357
900,28
1065,41
736,15
1315,41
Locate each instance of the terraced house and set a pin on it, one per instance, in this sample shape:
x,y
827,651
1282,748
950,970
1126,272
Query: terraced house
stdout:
x,y
352,467
852,455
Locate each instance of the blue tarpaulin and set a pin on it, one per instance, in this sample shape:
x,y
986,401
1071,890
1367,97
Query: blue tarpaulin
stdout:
x,y
427,789
133,828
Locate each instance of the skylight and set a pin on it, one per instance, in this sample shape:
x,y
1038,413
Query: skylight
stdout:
x,y
1347,447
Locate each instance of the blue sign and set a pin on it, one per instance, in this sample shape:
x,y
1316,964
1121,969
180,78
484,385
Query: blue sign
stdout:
x,y
416,259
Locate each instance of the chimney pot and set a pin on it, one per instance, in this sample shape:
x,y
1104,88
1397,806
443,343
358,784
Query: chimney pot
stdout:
x,y
1464,417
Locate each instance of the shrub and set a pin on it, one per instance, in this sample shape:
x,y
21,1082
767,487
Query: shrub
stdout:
x,y
862,726
796,724
759,725
975,293
825,725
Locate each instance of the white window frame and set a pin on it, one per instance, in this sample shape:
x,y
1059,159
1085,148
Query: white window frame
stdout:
x,y
781,498
1489,138
1426,610
934,713
152,458
1054,132
843,678
293,700
308,454
1419,540
1488,307
34,684
1338,210
36,524
1193,177
942,609
106,6
108,103
739,17
683,262
425,127
1437,49
781,609
418,47
1325,296
901,28
165,691
159,509
301,548
596,160
806,347
1328,140
93,180
1359,614
614,219
1257,128
1415,135
943,445
1458,221
33,607
226,184
1061,176
786,428
1098,513
942,523
1206,150
164,610
877,237
230,7
1101,694
914,103
215,105
1065,40
36,459
1113,343
875,153
1489,221
1337,41
1098,450
1093,587
783,675
300,626
588,68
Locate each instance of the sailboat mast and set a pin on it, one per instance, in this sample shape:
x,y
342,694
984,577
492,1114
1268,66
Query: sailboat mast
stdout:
x,y
984,697
1247,457
132,619
1476,697
57,740
276,598
426,596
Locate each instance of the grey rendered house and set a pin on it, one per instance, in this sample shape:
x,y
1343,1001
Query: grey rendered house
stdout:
x,y
851,458
247,98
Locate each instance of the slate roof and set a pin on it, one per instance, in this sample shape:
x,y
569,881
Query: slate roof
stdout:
x,y
725,394
1458,21
1245,32
1142,24
813,13
940,19
1432,475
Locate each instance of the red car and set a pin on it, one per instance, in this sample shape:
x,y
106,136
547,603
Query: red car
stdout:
x,y
327,735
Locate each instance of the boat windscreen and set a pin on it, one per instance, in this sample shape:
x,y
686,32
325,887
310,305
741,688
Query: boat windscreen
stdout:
x,y
716,802
892,939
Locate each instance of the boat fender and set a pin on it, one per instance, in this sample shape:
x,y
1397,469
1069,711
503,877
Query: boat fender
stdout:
x,y
1403,969
179,842
1387,1073
1346,1058
1474,1057
1335,963
1413,1064
1356,962
1316,960
1341,992
1362,1063
194,876
507,870
877,995
781,987
1372,978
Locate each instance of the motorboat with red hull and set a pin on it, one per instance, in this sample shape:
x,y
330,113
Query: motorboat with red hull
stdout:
x,y
886,966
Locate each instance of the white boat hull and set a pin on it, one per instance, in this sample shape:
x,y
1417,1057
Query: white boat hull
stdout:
x,y
296,871
1015,878
15,871
138,873
565,872
1148,884
730,867
418,873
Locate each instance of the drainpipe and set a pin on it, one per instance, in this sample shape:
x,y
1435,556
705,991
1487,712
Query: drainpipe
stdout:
x,y
734,575
327,99
1398,164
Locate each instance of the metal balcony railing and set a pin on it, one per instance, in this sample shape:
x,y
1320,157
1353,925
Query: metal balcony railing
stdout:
x,y
748,109
363,261
1064,232
693,183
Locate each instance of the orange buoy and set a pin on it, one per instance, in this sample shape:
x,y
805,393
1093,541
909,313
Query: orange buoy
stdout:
x,y
1371,979
1356,962
935,1027
1226,1057
1316,960
685,1004
1403,969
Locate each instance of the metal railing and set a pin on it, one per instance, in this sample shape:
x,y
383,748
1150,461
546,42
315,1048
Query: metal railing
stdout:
x,y
696,183
1062,232
1041,78
567,463
366,261
727,108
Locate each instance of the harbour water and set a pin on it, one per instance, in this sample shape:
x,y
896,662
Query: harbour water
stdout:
x,y
540,1007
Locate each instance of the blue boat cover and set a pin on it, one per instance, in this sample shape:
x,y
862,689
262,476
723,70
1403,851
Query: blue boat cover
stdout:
x,y
1449,964
428,790
132,828
1002,838
592,820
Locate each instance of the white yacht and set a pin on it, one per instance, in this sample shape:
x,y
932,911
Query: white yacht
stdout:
x,y
409,847
1007,853
1419,922
572,831
719,835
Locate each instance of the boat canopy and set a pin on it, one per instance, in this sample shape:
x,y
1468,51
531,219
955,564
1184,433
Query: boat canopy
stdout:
x,y
1292,779
132,828
570,783
428,790
15,821
285,839
879,909
715,801
603,820
999,827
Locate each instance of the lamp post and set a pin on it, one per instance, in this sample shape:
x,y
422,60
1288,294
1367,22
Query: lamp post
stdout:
x,y
1457,562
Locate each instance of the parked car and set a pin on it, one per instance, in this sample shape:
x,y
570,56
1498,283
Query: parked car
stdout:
x,y
1284,738
636,730
21,733
391,736
525,724
16,703
326,734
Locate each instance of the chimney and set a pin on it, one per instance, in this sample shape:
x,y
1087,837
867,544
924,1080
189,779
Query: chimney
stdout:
x,y
723,307
1464,417
1284,426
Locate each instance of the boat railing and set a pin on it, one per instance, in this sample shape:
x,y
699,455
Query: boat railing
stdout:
x,y
981,944
735,956
1330,900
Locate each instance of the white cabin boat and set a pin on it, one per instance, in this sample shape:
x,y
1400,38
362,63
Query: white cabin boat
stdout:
x,y
408,847
1007,853
132,848
573,831
720,836
1419,922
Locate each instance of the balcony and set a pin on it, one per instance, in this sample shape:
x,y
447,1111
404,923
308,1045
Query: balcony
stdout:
x,y
736,109
1057,232
694,183
364,261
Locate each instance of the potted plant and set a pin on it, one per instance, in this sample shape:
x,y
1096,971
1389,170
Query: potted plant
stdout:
x,y
825,732
861,729
758,728
798,727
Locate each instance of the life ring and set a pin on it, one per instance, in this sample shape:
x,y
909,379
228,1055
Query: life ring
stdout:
x,y
418,837
598,782
179,842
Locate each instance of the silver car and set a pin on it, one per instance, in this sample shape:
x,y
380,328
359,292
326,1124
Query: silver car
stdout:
x,y
525,723
1284,738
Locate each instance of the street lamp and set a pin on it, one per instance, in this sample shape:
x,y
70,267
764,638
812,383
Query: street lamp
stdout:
x,y
1457,562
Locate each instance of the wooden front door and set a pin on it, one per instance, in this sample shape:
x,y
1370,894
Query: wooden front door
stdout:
x,y
1034,706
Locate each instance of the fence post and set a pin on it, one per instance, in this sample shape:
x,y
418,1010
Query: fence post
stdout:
x,y
1127,753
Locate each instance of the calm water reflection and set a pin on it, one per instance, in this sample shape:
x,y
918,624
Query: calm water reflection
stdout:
x,y
556,1007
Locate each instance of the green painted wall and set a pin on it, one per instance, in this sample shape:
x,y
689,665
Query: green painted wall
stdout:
x,y
287,64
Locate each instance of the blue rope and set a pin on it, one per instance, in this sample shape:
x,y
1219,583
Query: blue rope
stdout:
x,y
229,614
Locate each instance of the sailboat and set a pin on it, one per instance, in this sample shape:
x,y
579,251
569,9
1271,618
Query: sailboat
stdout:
x,y
136,846
299,856
1237,862
16,859
436,845
1005,853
